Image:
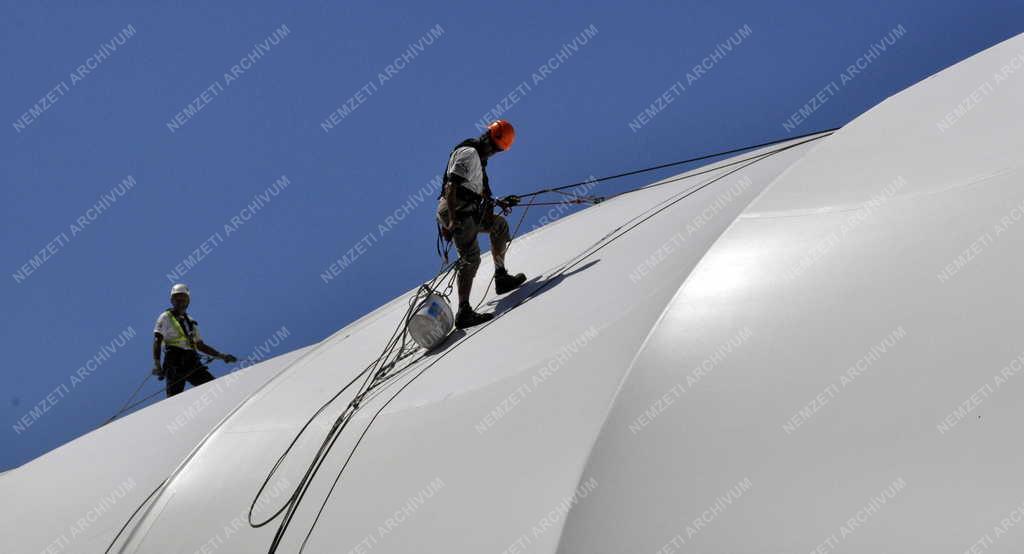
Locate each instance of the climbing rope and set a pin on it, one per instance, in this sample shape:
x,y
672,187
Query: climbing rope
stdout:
x,y
124,407
375,375
128,405
673,164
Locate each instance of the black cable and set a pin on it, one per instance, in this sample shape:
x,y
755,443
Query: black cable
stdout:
x,y
573,199
671,164
597,200
376,374
131,517
144,399
130,398
665,181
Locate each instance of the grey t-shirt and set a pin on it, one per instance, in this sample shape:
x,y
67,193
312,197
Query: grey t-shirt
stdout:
x,y
465,162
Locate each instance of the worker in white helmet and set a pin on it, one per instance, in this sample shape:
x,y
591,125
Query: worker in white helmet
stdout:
x,y
179,334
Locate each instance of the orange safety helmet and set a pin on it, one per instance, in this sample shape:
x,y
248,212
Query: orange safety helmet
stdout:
x,y
502,134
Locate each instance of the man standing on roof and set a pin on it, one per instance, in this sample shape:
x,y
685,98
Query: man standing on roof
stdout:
x,y
466,209
180,335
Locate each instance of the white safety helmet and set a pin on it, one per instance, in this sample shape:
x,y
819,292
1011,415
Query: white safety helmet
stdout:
x,y
180,288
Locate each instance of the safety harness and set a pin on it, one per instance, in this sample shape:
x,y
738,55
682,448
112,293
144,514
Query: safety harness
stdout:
x,y
465,195
480,204
184,339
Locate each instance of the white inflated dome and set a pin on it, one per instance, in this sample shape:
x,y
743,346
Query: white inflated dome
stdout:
x,y
814,346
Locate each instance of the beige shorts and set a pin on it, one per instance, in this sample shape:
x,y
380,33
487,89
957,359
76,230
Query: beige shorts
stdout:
x,y
465,231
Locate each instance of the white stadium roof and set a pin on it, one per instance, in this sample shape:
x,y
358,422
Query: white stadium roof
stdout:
x,y
802,350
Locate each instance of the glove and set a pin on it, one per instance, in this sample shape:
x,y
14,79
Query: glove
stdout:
x,y
158,371
229,358
508,201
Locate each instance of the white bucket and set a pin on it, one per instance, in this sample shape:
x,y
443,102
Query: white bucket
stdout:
x,y
430,325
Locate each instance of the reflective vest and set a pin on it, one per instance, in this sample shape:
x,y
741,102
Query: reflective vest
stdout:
x,y
183,340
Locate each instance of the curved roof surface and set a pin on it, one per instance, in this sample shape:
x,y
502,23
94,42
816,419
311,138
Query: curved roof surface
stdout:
x,y
839,364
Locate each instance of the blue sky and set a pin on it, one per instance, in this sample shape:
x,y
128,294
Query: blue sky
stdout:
x,y
125,117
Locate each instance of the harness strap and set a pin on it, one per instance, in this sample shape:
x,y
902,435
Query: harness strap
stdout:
x,y
475,145
188,337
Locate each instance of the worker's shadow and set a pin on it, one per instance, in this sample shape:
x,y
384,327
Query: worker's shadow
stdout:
x,y
535,287
530,289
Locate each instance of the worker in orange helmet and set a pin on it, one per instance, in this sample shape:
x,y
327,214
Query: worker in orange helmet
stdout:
x,y
466,209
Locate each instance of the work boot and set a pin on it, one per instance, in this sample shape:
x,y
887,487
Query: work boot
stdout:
x,y
468,318
503,282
